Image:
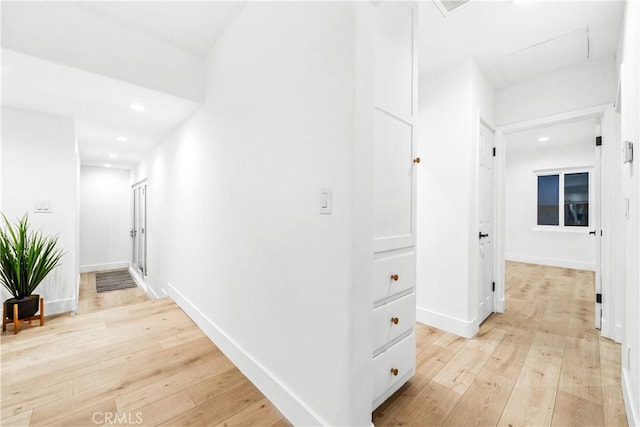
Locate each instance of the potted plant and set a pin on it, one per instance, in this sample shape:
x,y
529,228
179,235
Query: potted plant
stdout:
x,y
26,258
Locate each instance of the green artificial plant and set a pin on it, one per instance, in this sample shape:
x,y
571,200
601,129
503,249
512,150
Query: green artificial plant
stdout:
x,y
26,257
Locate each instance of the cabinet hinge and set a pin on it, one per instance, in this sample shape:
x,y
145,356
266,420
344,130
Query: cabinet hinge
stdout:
x,y
599,298
494,151
493,286
598,141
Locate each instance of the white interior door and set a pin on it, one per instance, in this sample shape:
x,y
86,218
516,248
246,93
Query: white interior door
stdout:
x,y
134,228
139,229
486,227
142,235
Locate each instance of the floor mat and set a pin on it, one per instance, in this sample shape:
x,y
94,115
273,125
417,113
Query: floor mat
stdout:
x,y
114,280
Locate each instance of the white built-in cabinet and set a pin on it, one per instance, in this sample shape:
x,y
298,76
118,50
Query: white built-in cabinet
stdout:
x,y
394,197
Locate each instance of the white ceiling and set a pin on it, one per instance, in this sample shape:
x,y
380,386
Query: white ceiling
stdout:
x,y
581,131
511,41
191,25
100,105
500,35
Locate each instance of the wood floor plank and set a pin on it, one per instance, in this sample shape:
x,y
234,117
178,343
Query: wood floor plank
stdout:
x,y
462,369
223,407
216,386
529,406
144,396
20,420
163,410
572,411
483,402
613,406
85,415
261,413
431,407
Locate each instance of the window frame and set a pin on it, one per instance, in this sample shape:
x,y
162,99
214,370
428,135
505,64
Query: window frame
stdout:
x,y
561,172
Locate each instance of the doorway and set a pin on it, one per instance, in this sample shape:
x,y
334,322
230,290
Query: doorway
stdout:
x,y
139,229
551,195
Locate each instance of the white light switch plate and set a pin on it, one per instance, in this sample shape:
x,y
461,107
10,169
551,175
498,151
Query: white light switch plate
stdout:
x,y
325,201
42,206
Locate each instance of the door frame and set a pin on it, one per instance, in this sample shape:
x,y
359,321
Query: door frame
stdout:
x,y
610,210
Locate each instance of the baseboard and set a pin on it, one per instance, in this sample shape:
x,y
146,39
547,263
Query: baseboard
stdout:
x,y
463,328
101,267
59,306
135,275
618,333
632,412
292,407
552,262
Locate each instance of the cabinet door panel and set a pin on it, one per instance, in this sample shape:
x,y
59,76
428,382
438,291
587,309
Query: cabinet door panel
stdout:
x,y
394,59
393,182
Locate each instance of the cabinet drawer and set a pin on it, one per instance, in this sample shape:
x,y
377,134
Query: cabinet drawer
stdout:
x,y
394,274
393,319
400,357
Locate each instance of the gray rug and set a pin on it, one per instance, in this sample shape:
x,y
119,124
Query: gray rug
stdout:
x,y
114,280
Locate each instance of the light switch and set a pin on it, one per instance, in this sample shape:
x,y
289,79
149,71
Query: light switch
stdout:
x,y
42,206
325,201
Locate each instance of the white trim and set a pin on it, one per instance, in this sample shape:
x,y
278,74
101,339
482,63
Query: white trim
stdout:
x,y
59,306
292,407
595,111
463,328
617,332
633,419
135,275
552,262
90,268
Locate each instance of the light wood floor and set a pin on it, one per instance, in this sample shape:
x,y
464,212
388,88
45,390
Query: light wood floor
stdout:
x,y
541,363
124,354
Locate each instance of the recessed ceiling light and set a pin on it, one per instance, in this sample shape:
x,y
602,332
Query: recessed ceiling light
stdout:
x,y
543,139
121,138
136,106
113,155
107,165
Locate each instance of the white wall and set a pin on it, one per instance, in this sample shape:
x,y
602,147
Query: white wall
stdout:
x,y
234,231
40,162
630,131
524,241
573,88
105,218
448,104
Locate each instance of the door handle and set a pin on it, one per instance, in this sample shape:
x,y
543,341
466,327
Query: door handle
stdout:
x,y
592,233
481,235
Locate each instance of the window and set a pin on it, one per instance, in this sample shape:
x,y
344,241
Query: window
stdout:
x,y
570,190
548,197
576,199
